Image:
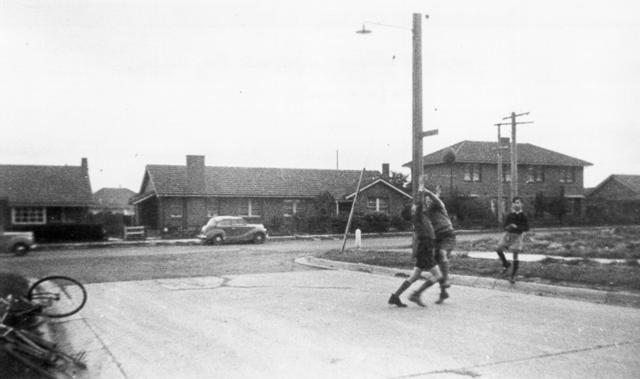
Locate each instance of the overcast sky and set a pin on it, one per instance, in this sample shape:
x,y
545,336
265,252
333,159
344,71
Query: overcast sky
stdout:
x,y
286,83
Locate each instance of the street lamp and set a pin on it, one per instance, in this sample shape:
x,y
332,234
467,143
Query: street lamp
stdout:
x,y
417,168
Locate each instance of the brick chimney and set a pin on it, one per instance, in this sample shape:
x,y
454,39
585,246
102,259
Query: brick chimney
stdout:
x,y
84,165
385,171
195,174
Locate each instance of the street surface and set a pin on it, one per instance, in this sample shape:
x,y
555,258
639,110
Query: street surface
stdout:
x,y
336,324
155,262
247,311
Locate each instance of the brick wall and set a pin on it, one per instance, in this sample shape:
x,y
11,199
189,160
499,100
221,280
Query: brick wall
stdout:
x,y
613,190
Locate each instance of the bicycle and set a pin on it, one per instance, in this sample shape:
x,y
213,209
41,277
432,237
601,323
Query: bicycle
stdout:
x,y
30,349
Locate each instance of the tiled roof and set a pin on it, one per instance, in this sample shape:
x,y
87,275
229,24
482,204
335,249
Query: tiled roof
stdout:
x,y
45,185
484,152
113,198
258,182
631,181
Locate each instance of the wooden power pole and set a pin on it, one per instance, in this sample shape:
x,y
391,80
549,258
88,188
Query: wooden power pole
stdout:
x,y
514,151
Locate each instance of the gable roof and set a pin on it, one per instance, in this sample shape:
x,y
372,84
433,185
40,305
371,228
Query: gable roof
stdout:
x,y
632,182
373,182
113,198
25,185
166,180
485,152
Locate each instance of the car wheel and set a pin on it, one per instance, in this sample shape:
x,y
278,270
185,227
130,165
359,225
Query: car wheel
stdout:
x,y
20,249
217,240
258,238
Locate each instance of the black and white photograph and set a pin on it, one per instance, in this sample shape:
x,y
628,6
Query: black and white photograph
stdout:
x,y
319,189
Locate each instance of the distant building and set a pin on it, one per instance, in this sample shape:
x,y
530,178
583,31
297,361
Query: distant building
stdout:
x,y
42,195
617,197
182,198
114,200
474,173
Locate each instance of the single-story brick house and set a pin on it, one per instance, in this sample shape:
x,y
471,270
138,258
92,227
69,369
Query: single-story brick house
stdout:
x,y
33,196
617,194
474,173
182,198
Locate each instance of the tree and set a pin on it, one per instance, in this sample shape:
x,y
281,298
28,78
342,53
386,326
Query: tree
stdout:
x,y
449,159
400,181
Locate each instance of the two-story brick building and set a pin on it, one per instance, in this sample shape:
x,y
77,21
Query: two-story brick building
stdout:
x,y
474,173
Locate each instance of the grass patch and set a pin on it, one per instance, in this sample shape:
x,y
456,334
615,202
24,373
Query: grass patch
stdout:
x,y
579,272
612,243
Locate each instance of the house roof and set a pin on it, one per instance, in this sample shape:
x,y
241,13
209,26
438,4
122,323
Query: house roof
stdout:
x,y
632,182
113,198
25,185
255,182
485,152
372,182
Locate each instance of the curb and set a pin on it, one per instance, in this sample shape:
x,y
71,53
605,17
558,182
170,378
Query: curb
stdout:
x,y
617,298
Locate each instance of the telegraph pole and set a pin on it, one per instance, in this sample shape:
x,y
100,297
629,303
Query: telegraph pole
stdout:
x,y
499,202
514,151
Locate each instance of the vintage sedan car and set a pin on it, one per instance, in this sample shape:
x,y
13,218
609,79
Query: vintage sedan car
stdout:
x,y
221,229
18,243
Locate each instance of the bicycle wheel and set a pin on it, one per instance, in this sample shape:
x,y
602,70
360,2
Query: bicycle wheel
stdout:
x,y
59,296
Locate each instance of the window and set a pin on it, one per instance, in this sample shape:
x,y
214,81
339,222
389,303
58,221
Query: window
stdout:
x,y
250,207
568,175
535,174
506,174
472,173
291,207
378,204
28,215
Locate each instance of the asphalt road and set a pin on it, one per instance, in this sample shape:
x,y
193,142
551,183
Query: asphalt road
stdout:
x,y
139,263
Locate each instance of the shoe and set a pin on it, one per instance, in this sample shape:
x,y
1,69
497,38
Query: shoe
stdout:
x,y
512,279
415,297
505,269
443,296
395,300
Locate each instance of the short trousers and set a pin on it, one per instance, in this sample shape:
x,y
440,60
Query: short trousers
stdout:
x,y
512,241
444,245
425,259
446,242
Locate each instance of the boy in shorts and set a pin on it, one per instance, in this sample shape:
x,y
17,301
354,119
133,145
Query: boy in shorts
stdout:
x,y
423,244
515,224
445,239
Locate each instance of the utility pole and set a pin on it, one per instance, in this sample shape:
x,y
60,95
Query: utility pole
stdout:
x,y
499,202
418,169
514,151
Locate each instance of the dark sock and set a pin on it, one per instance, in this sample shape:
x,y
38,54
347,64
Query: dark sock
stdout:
x,y
503,258
424,286
515,264
403,287
444,267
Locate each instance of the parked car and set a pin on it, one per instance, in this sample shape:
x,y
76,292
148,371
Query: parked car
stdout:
x,y
18,243
222,229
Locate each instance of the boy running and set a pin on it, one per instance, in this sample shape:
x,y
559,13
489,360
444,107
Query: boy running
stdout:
x,y
445,239
515,224
423,243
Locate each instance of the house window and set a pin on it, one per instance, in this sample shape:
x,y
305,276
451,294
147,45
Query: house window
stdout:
x,y
250,207
472,173
291,207
535,174
506,174
568,175
28,215
378,204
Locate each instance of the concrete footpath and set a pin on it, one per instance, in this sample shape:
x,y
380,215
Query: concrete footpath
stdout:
x,y
336,323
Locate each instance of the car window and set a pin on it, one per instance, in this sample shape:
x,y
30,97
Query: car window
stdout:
x,y
239,222
224,223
